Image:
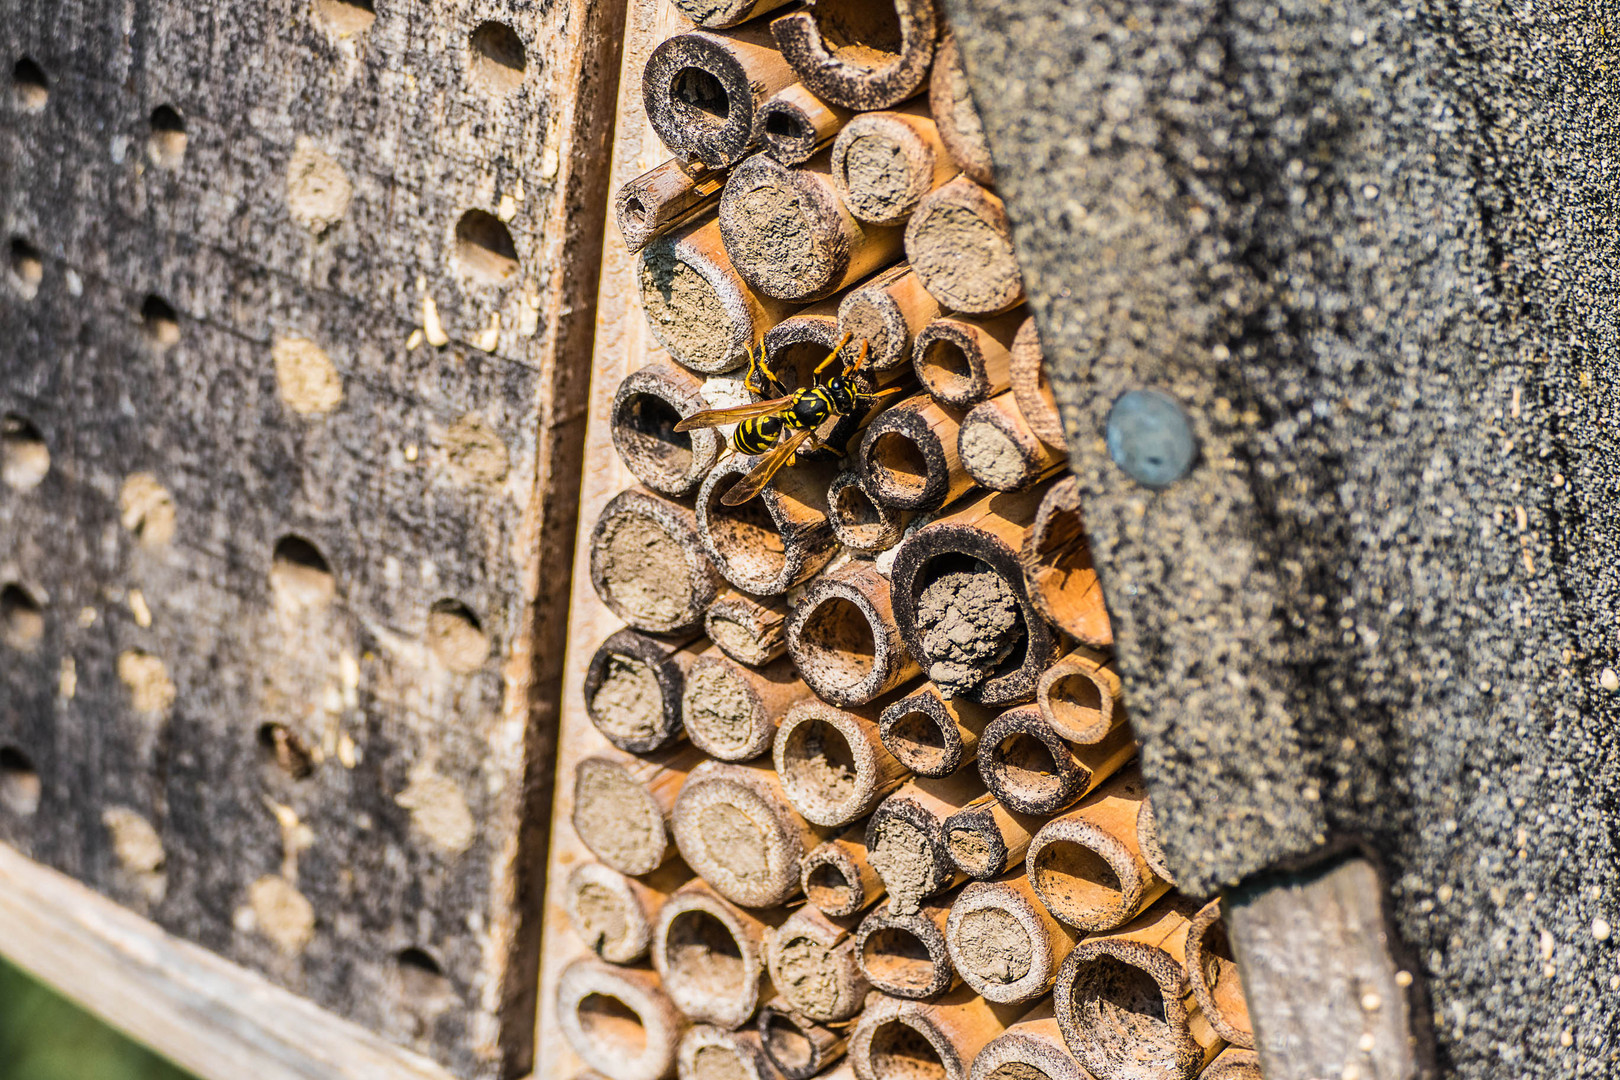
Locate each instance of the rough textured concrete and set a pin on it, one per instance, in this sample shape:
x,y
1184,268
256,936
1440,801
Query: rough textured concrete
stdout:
x,y
1371,249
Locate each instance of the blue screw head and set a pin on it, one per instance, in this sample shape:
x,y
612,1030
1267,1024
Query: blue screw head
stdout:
x,y
1150,437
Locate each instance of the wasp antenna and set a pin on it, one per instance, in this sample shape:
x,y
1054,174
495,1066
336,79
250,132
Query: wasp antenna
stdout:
x,y
859,360
825,364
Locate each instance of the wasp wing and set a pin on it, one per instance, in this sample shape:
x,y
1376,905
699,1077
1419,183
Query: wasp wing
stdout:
x,y
767,467
716,417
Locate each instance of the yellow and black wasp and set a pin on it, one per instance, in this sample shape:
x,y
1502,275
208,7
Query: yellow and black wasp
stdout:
x,y
776,428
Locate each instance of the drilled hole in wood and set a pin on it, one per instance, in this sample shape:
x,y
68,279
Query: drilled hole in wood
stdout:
x,y
284,749
900,1052
484,247
25,266
300,575
896,957
22,621
613,1026
29,85
498,58
455,636
344,18
421,976
19,783
24,458
160,321
167,142
699,97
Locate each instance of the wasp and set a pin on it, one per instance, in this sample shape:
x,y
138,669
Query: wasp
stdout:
x,y
778,427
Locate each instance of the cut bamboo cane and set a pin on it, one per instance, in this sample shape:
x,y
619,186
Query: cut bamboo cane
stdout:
x,y
648,565
707,1052
735,828
790,236
856,54
930,735
1031,1049
702,90
646,408
843,640
795,347
837,877
795,125
985,838
798,1046
774,541
833,765
731,711
960,245
861,523
956,115
749,630
633,689
622,807
697,305
883,163
1233,1063
721,13
1003,943
710,955
1087,865
963,361
1080,696
1056,562
612,913
999,450
1213,974
898,1039
1033,770
618,1020
1135,973
905,838
908,455
664,198
815,966
1147,836
888,312
904,954
1032,389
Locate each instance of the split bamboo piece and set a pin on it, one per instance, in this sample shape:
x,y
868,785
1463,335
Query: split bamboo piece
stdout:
x,y
861,523
646,408
905,837
1087,865
648,566
1213,974
887,311
703,88
1233,1063
898,1039
622,807
1058,575
1080,696
843,640
863,60
832,763
1136,972
633,689
725,12
986,838
837,877
1003,942
794,125
908,455
815,966
773,541
1032,389
930,735
999,450
1033,770
707,1052
618,1020
731,710
798,1046
962,361
883,163
613,913
1031,1049
789,234
1147,835
749,630
664,198
904,953
710,955
960,245
956,115
735,828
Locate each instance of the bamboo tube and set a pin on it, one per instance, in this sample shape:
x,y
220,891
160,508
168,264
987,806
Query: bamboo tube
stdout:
x,y
734,827
833,765
707,1052
985,838
711,956
698,306
794,125
1147,836
866,59
1031,388
1031,1049
1136,972
999,450
622,807
887,312
1056,563
1213,975
960,245
646,407
904,953
815,966
702,90
908,455
861,523
749,630
719,13
772,542
843,640
1087,865
664,198
907,1040
883,163
962,361
618,1020
959,600
731,710
790,236
798,1046
613,914
956,115
633,689
838,879
1003,943
1080,696
930,735
1031,769
905,837
647,563
1233,1063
